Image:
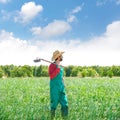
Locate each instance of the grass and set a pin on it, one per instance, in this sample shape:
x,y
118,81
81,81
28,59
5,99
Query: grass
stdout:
x,y
89,99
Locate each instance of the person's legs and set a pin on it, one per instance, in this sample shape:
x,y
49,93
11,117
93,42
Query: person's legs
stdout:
x,y
64,104
54,98
64,112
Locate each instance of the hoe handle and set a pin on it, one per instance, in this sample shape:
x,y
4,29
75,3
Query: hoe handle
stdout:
x,y
49,62
39,59
46,60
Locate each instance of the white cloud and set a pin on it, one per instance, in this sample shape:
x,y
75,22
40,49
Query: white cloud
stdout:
x,y
118,2
57,27
4,1
113,29
76,10
15,51
6,15
100,50
71,16
28,12
100,3
104,2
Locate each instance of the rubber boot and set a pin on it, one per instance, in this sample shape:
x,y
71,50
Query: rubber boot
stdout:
x,y
52,114
64,112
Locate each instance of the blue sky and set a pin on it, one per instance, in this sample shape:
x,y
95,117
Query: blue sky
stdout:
x,y
86,29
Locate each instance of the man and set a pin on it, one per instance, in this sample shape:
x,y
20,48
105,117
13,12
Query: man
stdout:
x,y
57,88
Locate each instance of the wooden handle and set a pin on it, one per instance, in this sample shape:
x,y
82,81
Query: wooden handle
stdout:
x,y
39,59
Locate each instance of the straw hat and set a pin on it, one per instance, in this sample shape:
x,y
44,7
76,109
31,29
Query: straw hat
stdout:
x,y
56,54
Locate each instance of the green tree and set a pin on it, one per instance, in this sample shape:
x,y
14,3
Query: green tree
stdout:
x,y
1,72
97,69
21,72
105,70
24,71
13,72
92,72
44,71
74,72
68,70
116,70
39,71
7,69
110,73
29,70
101,72
84,73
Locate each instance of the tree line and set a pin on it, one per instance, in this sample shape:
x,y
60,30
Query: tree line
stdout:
x,y
69,71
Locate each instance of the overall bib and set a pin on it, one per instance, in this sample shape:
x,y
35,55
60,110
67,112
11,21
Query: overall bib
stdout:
x,y
57,93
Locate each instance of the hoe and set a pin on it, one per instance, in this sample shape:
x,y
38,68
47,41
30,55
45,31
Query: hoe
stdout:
x,y
39,60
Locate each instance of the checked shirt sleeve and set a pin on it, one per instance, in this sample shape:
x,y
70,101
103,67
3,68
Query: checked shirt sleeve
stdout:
x,y
53,71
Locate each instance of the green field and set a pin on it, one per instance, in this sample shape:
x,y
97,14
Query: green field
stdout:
x,y
89,99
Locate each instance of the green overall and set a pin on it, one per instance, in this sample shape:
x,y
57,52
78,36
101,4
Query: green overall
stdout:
x,y
57,93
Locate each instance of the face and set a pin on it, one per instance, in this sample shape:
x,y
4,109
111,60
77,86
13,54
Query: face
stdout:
x,y
60,58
